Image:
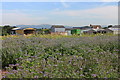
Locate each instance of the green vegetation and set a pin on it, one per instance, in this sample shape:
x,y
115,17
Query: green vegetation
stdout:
x,y
45,56
6,30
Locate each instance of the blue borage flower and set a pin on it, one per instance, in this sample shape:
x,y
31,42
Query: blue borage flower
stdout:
x,y
90,55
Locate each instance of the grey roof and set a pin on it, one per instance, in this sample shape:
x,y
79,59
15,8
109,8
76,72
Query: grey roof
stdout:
x,y
83,28
58,26
68,28
116,26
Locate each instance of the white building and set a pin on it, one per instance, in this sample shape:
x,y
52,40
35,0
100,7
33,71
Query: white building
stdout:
x,y
115,29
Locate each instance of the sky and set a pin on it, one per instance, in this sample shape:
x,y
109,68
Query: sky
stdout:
x,y
65,13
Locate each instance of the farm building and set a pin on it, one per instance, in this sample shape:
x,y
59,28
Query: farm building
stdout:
x,y
92,31
115,29
57,28
23,31
76,31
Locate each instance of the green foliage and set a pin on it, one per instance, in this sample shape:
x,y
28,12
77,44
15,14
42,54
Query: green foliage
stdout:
x,y
6,30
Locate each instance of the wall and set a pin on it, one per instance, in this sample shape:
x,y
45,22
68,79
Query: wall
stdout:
x,y
59,29
68,32
116,32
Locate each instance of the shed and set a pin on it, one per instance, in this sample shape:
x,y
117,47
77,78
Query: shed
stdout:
x,y
23,31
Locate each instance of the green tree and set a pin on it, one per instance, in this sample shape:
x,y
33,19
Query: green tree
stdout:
x,y
6,30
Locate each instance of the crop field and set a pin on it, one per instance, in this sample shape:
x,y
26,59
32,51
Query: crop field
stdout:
x,y
94,56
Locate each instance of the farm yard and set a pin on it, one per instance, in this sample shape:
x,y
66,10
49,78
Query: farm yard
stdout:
x,y
57,56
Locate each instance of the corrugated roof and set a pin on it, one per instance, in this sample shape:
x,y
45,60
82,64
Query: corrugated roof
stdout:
x,y
19,28
16,28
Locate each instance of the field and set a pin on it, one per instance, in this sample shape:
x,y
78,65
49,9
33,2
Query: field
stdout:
x,y
46,56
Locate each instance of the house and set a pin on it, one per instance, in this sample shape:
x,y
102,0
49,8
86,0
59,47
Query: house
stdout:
x,y
23,31
115,29
95,27
57,28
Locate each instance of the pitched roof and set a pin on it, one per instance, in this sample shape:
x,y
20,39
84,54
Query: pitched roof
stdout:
x,y
19,28
58,26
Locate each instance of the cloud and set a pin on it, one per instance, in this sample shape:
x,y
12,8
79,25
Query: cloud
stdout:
x,y
102,15
57,9
104,12
14,17
65,5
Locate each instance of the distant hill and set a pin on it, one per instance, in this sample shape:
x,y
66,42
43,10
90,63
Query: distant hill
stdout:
x,y
47,26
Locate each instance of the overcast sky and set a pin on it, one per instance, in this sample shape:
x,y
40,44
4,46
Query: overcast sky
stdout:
x,y
66,13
